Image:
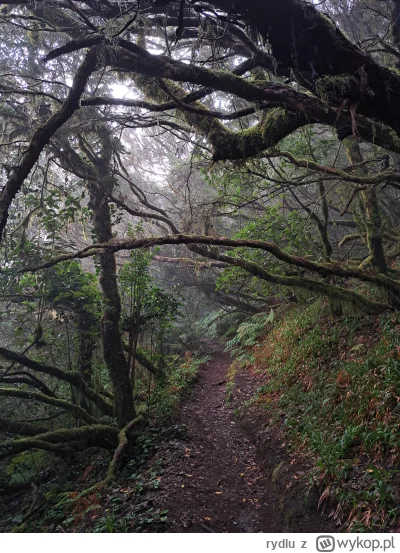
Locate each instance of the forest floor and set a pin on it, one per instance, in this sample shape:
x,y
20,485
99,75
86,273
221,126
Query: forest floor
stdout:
x,y
221,467
229,478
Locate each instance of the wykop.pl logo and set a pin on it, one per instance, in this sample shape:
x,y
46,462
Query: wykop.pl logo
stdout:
x,y
325,544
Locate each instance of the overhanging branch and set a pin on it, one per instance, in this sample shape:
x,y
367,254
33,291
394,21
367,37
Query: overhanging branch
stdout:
x,y
42,136
59,441
323,269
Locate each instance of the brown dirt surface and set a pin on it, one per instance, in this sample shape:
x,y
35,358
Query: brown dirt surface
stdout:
x,y
229,475
222,467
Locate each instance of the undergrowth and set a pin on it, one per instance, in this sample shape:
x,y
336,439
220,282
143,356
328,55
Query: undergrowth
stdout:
x,y
177,381
336,385
123,506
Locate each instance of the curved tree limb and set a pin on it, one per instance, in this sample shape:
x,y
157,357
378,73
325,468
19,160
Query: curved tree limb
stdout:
x,y
22,377
323,269
73,378
55,402
123,440
378,178
61,440
192,263
21,428
42,136
301,109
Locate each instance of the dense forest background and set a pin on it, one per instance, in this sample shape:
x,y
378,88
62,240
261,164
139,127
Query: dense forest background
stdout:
x,y
178,170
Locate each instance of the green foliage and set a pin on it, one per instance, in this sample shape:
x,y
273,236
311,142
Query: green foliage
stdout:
x,y
287,229
219,323
25,466
137,521
278,226
336,385
68,286
178,379
144,305
248,332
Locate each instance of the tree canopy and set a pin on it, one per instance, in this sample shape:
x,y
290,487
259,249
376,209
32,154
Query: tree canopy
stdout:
x,y
255,143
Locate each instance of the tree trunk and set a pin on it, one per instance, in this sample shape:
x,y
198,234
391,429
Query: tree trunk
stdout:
x,y
113,349
133,362
373,221
86,338
87,342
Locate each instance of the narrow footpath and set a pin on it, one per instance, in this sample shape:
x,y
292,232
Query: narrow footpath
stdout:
x,y
217,482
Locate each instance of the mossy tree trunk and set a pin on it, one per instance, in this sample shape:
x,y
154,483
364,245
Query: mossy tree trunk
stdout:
x,y
369,206
113,348
373,220
87,342
100,183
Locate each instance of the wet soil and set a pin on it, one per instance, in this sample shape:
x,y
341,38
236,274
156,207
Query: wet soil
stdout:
x,y
223,467
230,473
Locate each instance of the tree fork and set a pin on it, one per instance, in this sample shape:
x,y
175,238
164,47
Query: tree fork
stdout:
x,y
123,440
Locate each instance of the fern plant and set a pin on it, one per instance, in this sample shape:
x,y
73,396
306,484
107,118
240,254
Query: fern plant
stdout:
x,y
249,331
219,323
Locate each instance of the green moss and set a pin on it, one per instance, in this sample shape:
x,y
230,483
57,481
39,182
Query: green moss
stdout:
x,y
335,86
276,471
395,138
328,20
339,34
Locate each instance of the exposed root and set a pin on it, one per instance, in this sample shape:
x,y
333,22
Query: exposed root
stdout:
x,y
123,440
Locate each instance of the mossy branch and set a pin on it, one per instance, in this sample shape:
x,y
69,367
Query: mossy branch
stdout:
x,y
73,378
43,134
63,440
323,269
79,412
123,440
22,377
20,428
347,176
143,358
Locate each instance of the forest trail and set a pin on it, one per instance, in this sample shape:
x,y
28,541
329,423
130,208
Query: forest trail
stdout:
x,y
217,484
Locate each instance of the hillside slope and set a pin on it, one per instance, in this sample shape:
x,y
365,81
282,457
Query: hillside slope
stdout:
x,y
331,387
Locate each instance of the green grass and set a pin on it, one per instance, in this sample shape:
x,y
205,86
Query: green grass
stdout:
x,y
337,386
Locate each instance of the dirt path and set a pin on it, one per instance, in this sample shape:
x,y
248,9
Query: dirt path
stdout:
x,y
224,489
213,471
216,483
